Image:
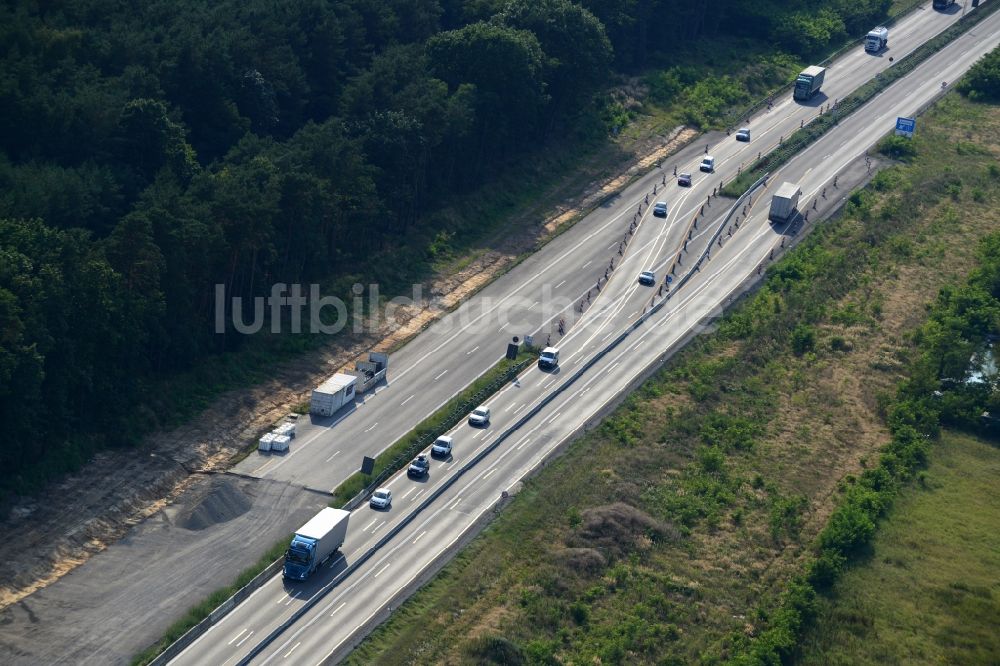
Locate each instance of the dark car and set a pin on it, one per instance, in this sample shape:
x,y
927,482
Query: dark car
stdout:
x,y
684,179
660,209
647,278
418,468
743,134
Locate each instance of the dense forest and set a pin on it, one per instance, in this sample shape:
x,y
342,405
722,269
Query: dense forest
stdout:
x,y
151,151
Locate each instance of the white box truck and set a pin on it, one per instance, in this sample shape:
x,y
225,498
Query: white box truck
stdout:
x,y
331,395
784,203
315,542
877,39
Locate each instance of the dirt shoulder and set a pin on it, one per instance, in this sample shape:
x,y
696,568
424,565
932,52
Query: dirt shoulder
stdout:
x,y
71,520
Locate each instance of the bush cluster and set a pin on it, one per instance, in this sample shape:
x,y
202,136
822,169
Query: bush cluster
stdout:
x,y
962,320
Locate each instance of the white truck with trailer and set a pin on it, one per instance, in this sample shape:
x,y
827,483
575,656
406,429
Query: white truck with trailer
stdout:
x,y
784,203
314,543
339,390
372,371
877,39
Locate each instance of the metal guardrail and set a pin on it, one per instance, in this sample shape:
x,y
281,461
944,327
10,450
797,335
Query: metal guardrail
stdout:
x,y
223,609
454,418
818,126
520,423
733,120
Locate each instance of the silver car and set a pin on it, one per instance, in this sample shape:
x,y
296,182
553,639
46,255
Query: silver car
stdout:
x,y
480,416
381,499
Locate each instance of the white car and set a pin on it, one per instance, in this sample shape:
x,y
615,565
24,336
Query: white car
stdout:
x,y
442,446
660,209
707,164
381,499
548,359
480,416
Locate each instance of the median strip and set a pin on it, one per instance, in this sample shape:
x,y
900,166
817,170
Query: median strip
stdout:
x,y
349,494
826,121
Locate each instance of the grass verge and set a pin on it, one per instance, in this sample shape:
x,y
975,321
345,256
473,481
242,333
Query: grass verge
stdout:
x,y
672,532
926,591
453,412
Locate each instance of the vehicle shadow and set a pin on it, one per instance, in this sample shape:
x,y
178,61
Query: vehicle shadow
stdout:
x,y
333,419
817,100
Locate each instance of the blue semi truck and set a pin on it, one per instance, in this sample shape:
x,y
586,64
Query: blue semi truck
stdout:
x,y
315,542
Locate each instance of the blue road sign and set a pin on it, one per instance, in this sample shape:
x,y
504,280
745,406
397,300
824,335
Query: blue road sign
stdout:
x,y
670,279
905,127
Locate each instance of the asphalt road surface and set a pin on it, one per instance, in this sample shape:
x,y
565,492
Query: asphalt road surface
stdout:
x,y
457,349
109,608
428,516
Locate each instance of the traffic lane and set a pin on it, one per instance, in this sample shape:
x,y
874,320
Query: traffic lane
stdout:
x,y
833,152
274,603
426,540
763,239
629,302
377,523
854,68
367,421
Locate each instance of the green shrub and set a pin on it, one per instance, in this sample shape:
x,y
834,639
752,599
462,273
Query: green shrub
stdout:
x,y
711,460
898,148
982,83
708,100
850,526
803,339
497,650
838,343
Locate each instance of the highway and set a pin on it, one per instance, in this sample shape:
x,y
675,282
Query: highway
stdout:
x,y
452,498
462,345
